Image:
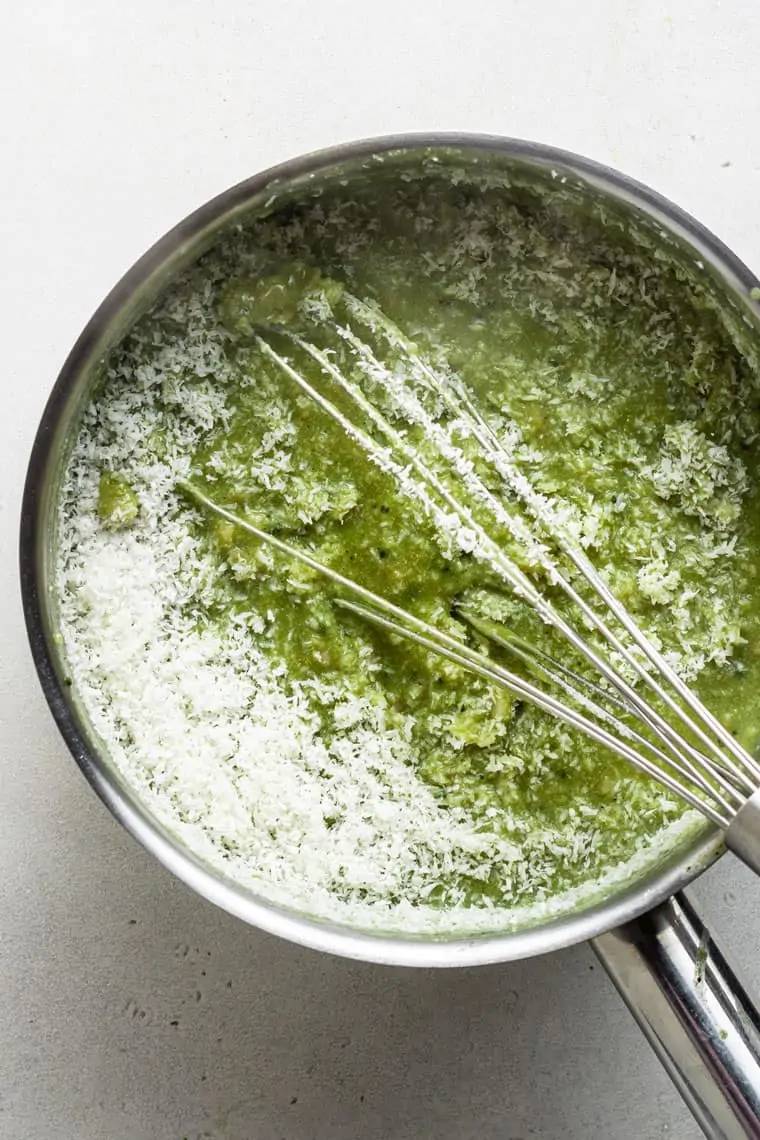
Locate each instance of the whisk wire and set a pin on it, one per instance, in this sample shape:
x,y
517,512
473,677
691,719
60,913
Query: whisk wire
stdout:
x,y
745,773
680,749
492,448
558,674
561,712
386,615
700,760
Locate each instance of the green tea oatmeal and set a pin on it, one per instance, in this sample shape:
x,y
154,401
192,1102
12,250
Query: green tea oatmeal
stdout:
x,y
297,376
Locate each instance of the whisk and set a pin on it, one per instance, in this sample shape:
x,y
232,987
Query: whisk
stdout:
x,y
684,746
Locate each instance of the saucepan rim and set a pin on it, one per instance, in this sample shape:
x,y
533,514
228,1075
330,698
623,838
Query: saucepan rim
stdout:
x,y
622,904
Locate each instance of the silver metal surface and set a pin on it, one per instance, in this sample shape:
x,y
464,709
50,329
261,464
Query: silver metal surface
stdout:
x,y
743,835
694,1012
667,872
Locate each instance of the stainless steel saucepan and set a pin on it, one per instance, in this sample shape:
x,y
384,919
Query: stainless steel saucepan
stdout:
x,y
678,985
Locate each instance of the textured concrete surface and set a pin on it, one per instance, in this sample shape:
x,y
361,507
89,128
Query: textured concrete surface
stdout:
x,y
128,1007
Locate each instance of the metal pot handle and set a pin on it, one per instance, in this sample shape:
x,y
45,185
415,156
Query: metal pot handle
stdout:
x,y
695,1013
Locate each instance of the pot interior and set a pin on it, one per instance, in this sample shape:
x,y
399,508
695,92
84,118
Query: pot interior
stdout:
x,y
592,201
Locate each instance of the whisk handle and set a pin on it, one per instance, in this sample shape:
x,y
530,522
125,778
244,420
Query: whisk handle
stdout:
x,y
694,1012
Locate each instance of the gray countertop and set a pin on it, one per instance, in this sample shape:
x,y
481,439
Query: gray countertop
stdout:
x,y
128,1006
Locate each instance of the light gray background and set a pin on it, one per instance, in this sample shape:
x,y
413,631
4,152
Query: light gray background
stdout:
x,y
128,1007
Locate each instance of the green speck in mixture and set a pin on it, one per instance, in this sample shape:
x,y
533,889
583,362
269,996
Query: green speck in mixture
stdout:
x,y
118,505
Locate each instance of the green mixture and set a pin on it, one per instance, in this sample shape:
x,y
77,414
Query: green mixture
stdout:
x,y
614,386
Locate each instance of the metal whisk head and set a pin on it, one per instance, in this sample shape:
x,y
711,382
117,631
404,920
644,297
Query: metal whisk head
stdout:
x,y
684,747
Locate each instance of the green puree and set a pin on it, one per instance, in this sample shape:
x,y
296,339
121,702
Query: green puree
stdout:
x,y
619,389
118,505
